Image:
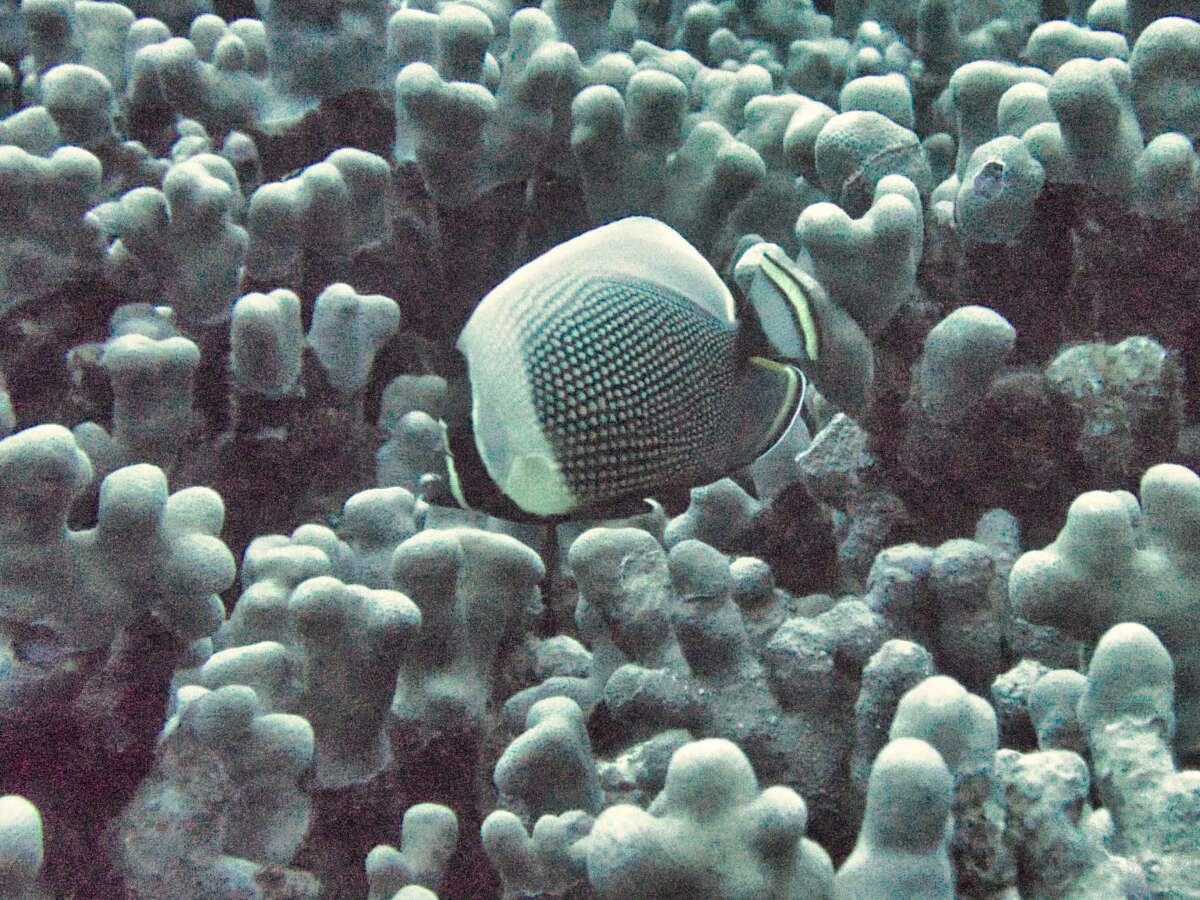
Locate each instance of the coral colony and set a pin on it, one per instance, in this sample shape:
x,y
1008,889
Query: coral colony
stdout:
x,y
604,449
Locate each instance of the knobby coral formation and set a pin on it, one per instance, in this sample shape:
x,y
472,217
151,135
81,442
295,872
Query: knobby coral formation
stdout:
x,y
938,641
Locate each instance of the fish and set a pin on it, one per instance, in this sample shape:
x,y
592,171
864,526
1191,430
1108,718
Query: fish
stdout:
x,y
619,366
804,325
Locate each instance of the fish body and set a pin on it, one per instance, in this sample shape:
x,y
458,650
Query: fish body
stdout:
x,y
613,367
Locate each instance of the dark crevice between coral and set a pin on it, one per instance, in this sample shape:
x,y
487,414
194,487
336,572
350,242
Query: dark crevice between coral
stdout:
x,y
83,765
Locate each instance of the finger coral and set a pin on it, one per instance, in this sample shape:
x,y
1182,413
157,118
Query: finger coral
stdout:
x,y
266,629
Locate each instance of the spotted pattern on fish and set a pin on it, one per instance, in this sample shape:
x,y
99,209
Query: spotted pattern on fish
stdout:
x,y
629,380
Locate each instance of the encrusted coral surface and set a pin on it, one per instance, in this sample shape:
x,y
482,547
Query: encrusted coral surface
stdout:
x,y
939,641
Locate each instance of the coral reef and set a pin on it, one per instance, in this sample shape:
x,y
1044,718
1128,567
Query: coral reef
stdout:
x,y
938,641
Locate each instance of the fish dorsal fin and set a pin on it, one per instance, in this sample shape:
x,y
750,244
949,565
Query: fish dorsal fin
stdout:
x,y
782,299
638,248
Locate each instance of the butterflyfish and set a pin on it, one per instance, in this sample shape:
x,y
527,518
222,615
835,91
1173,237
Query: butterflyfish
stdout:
x,y
618,366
